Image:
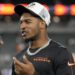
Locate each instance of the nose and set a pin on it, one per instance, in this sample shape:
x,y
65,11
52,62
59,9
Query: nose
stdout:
x,y
23,26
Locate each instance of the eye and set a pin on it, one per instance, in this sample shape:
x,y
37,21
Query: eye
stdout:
x,y
26,21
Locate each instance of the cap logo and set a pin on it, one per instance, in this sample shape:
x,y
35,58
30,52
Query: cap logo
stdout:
x,y
31,5
43,16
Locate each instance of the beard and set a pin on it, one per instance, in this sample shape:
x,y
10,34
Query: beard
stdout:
x,y
27,38
33,38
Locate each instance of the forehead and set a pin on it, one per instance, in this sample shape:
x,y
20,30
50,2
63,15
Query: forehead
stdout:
x,y
26,16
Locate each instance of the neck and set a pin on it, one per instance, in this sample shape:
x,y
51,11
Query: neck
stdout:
x,y
39,42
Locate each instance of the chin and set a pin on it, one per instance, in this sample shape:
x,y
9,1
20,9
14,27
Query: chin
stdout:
x,y
27,39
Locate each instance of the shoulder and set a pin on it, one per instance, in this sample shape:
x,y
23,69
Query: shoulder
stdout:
x,y
61,52
56,46
58,49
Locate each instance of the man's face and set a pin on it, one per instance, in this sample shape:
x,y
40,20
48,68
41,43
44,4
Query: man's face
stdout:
x,y
29,26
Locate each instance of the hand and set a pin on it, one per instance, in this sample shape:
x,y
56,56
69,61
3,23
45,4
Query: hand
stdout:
x,y
25,68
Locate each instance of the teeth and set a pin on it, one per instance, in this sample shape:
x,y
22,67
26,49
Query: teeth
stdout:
x,y
23,33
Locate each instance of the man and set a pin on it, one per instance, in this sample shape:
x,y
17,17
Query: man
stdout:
x,y
42,56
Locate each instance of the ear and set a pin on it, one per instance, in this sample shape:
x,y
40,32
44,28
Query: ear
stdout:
x,y
42,25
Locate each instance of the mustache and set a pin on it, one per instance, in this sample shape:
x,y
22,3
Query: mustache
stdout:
x,y
23,30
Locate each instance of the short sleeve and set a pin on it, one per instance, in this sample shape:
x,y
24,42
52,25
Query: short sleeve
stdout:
x,y
61,62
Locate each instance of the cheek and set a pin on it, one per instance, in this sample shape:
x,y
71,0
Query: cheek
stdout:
x,y
34,31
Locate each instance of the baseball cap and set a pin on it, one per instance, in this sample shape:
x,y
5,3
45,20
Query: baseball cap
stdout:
x,y
34,8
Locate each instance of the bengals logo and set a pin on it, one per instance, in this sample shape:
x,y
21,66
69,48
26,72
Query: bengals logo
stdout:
x,y
41,59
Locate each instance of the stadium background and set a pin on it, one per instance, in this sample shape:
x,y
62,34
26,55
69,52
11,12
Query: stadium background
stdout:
x,y
62,28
